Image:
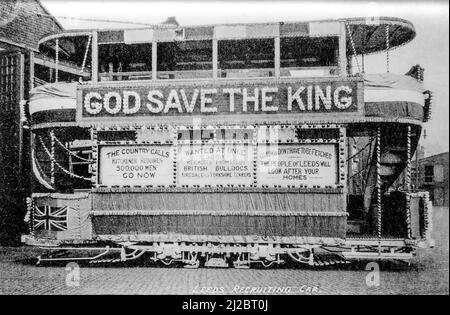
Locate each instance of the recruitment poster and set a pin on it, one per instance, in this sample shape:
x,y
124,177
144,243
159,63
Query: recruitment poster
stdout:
x,y
136,165
215,164
299,164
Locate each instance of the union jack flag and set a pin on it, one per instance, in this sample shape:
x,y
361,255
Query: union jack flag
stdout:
x,y
50,218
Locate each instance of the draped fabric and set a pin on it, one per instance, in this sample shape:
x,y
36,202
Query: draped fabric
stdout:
x,y
315,226
53,97
393,96
394,110
392,81
392,88
229,201
231,213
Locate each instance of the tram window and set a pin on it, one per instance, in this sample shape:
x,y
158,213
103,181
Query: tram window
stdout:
x,y
182,60
246,58
81,168
125,62
309,56
76,51
48,50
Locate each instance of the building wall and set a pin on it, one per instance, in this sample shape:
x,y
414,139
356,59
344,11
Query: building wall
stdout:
x,y
438,183
21,27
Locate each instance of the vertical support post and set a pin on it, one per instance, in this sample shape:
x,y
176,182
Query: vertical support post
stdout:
x,y
343,51
94,58
347,26
408,159
378,186
387,47
343,155
350,160
30,210
52,157
57,60
277,60
408,181
154,61
175,156
255,155
31,82
94,142
215,58
21,70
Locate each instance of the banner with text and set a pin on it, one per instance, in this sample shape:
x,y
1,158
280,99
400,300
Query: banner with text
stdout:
x,y
136,165
299,164
215,164
262,97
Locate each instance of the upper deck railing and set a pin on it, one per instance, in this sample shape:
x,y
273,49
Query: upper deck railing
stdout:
x,y
276,50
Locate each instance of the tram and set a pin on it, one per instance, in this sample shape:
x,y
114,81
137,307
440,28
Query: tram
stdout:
x,y
226,145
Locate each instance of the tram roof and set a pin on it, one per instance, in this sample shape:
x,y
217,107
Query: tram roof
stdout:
x,y
368,34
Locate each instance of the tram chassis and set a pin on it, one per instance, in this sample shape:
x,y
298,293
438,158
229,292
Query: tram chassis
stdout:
x,y
224,255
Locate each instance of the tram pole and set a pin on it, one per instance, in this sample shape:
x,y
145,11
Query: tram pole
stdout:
x,y
408,180
378,187
408,158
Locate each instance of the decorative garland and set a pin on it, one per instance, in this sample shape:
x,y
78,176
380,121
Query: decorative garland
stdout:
x,y
408,216
68,151
52,164
378,187
387,47
57,60
94,166
100,189
37,170
215,213
408,159
427,107
53,160
86,53
353,46
29,215
428,215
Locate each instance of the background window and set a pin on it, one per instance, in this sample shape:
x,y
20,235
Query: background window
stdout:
x,y
429,173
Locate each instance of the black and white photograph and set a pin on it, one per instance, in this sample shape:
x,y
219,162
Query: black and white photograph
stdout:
x,y
222,153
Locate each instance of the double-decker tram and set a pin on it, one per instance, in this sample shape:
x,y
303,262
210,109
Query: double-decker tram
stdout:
x,y
227,145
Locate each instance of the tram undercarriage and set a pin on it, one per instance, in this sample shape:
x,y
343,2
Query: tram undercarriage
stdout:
x,y
225,255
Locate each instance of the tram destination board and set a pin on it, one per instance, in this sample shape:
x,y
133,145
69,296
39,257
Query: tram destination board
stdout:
x,y
214,98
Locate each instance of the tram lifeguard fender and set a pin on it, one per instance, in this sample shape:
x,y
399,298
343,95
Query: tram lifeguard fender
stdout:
x,y
393,95
53,102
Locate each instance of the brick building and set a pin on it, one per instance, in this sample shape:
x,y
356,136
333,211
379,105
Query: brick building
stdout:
x,y
433,172
22,24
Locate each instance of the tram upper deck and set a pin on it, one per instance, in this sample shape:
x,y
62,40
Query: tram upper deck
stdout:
x,y
310,66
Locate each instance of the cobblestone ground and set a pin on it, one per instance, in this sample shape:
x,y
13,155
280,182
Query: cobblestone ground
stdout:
x,y
428,275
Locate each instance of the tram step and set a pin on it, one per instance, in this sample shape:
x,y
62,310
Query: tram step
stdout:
x,y
322,260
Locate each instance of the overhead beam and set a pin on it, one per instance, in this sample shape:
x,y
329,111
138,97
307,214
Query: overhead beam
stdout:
x,y
62,66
